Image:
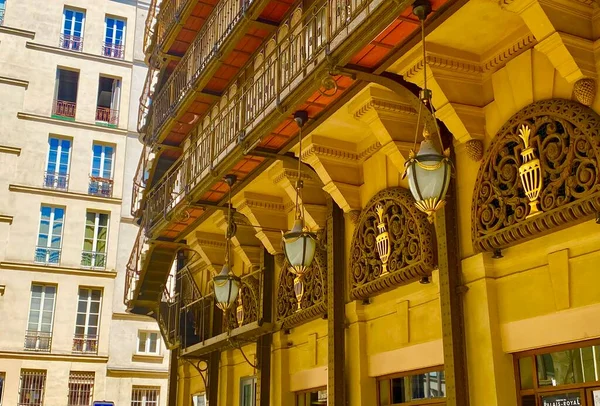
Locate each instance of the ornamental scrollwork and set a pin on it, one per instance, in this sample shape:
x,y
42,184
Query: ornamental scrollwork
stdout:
x,y
410,238
566,139
313,301
248,299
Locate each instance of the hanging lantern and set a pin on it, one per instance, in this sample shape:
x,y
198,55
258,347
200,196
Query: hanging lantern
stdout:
x,y
298,291
239,312
299,246
428,176
382,240
227,287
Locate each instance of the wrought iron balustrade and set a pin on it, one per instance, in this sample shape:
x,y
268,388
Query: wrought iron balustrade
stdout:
x,y
47,255
248,308
133,267
100,186
167,17
72,42
53,180
214,32
2,12
64,108
139,180
85,343
38,340
294,56
111,50
150,24
107,115
146,97
93,259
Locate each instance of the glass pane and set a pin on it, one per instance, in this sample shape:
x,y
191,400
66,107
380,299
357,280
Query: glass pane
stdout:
x,y
153,343
96,294
141,341
95,307
526,372
398,390
560,368
384,392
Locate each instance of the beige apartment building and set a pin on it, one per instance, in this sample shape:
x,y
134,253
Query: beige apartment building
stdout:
x,y
71,72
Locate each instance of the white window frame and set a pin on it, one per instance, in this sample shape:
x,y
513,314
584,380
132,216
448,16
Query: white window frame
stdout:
x,y
94,250
147,343
115,29
39,320
50,228
64,18
196,397
59,155
248,381
88,300
102,160
144,390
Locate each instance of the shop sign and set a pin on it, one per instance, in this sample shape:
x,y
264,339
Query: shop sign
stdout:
x,y
564,399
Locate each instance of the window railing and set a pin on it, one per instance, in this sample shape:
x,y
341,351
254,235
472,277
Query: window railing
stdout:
x,y
284,69
53,180
113,50
38,341
85,344
71,42
93,259
63,108
48,256
107,115
215,31
167,17
2,11
100,186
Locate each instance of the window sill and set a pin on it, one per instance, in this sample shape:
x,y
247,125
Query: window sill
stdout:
x,y
78,54
53,119
147,358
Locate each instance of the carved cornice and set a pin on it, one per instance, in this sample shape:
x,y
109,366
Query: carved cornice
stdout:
x,y
340,154
383,106
492,63
260,205
289,173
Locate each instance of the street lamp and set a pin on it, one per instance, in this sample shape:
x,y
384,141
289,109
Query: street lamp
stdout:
x,y
299,244
428,170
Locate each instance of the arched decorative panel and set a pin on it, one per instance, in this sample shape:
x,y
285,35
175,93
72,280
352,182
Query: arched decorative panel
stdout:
x,y
248,298
563,154
314,300
411,244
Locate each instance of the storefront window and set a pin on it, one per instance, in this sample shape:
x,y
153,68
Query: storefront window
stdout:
x,y
312,397
413,387
560,376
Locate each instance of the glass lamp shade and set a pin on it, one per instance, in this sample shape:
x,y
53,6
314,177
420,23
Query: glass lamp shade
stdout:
x,y
227,287
299,247
428,177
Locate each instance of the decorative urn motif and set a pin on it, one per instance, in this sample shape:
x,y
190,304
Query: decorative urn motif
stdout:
x,y
298,291
530,172
239,312
382,240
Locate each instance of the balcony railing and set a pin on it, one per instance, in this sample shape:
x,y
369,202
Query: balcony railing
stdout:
x,y
107,115
85,344
53,180
150,24
295,56
93,259
63,108
48,256
100,186
133,267
113,50
215,31
167,17
139,181
38,341
146,100
71,42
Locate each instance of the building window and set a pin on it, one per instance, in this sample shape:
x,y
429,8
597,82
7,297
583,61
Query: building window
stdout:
x,y
564,375
114,38
312,397
38,336
57,167
81,388
2,378
425,388
109,95
50,235
143,396
148,343
2,11
94,242
101,181
199,399
31,388
72,33
65,94
248,391
88,320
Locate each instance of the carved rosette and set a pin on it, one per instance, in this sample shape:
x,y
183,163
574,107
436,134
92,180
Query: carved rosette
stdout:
x,y
566,137
312,300
412,245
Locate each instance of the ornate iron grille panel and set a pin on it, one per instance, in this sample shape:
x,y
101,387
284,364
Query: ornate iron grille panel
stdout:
x,y
249,299
411,247
566,137
313,302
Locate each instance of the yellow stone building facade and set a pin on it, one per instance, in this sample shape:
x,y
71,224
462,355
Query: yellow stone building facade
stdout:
x,y
488,304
